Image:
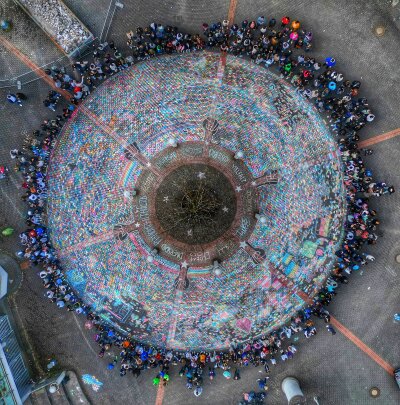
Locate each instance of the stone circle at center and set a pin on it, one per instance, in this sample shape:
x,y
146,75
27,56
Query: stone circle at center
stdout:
x,y
200,207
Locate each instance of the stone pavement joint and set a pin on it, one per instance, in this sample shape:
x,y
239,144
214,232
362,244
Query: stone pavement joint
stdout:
x,y
362,346
232,11
28,62
220,74
24,265
87,242
353,338
110,131
160,393
379,138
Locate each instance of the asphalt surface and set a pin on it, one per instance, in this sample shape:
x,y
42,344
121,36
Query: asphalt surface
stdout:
x,y
328,366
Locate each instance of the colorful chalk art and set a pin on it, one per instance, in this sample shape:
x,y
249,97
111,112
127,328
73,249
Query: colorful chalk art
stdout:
x,y
92,180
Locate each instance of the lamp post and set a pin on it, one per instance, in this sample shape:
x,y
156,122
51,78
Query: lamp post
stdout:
x,y
239,155
128,194
172,142
217,268
150,257
261,218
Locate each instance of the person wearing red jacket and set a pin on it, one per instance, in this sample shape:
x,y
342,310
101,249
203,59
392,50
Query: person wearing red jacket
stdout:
x,y
285,21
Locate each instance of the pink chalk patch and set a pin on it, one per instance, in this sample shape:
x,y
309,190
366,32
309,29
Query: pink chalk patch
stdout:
x,y
244,324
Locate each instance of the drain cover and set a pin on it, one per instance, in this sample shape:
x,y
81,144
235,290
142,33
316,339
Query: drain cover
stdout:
x,y
374,392
379,30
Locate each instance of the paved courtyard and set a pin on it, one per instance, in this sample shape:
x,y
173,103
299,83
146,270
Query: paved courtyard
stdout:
x,y
331,367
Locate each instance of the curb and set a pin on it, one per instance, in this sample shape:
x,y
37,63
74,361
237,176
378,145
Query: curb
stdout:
x,y
74,391
14,271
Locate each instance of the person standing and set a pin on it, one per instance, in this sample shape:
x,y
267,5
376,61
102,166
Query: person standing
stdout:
x,y
47,103
285,21
13,99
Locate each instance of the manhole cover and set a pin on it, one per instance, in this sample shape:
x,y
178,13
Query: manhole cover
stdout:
x,y
379,30
199,197
374,392
398,258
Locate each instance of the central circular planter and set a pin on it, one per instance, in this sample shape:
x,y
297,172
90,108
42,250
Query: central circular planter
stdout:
x,y
195,204
199,208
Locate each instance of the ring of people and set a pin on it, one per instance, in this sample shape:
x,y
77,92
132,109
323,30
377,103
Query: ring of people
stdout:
x,y
192,208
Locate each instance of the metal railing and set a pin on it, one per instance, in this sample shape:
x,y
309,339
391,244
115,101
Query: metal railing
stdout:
x,y
32,75
14,358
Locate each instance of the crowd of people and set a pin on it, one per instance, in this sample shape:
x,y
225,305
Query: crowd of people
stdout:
x,y
265,42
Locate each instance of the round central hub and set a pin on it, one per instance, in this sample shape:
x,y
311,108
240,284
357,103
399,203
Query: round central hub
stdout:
x,y
195,204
